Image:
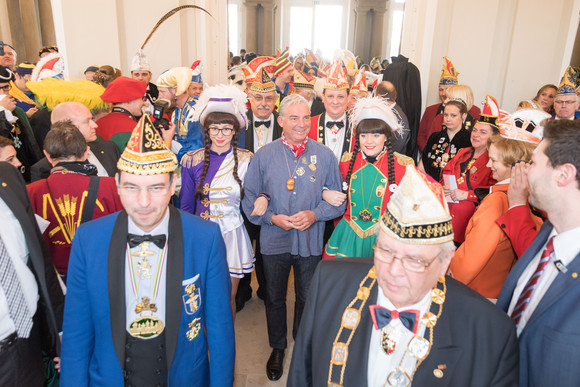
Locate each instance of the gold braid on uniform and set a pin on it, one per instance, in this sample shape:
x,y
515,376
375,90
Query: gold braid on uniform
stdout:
x,y
418,347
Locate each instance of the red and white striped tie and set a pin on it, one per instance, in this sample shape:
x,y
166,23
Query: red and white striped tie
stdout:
x,y
526,294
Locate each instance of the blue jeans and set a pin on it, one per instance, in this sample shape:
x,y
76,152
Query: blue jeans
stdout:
x,y
277,270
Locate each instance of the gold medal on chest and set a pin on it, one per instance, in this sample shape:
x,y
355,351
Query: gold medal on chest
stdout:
x,y
365,215
144,250
290,184
195,327
146,326
389,339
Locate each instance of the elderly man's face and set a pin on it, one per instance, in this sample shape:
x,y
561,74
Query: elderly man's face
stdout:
x,y
9,57
295,123
262,104
145,198
401,286
565,105
82,118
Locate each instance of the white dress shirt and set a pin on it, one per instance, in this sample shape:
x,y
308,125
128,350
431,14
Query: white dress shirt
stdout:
x,y
335,141
566,248
15,243
380,364
91,158
267,132
145,286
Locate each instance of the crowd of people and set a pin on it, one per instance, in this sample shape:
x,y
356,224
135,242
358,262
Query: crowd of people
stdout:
x,y
426,250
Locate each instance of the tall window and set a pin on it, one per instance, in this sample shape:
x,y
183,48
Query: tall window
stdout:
x,y
328,29
233,26
300,28
396,15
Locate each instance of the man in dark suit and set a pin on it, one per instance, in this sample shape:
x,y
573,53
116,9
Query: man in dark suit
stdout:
x,y
103,154
262,129
31,300
148,298
542,290
401,321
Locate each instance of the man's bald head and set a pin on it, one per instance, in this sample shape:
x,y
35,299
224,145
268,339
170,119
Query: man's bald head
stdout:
x,y
387,90
79,115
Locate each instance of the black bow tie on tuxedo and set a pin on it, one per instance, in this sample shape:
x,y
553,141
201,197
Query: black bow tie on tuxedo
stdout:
x,y
338,124
260,123
136,240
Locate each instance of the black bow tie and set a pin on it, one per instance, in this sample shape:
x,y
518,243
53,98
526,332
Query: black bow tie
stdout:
x,y
260,123
136,240
338,124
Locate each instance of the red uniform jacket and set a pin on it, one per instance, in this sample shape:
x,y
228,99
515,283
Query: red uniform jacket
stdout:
x,y
479,176
60,199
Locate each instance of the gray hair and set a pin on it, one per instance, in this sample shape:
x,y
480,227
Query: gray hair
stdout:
x,y
292,99
446,247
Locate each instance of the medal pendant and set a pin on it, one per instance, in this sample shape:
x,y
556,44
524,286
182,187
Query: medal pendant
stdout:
x,y
389,339
143,250
290,184
146,326
365,215
398,378
144,305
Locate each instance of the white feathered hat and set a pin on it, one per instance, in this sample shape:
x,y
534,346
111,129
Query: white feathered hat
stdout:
x,y
377,108
224,99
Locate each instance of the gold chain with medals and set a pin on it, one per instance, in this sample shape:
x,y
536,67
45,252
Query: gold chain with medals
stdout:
x,y
149,325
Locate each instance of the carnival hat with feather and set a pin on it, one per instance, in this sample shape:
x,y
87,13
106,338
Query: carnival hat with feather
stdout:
x,y
223,99
448,75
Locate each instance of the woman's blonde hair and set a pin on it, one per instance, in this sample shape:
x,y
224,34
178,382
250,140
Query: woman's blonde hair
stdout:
x,y
461,91
511,150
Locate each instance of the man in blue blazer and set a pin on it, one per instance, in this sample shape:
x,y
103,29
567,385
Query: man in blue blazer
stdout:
x,y
148,299
542,291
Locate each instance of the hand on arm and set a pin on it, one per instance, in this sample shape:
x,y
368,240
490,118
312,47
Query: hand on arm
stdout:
x,y
458,194
31,111
260,206
335,198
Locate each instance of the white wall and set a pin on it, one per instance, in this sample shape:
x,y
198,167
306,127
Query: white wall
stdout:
x,y
112,31
506,48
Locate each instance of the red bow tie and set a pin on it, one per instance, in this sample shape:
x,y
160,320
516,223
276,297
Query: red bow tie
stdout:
x,y
383,316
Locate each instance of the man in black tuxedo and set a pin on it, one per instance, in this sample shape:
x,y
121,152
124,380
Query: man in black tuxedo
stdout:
x,y
103,154
262,129
417,326
31,300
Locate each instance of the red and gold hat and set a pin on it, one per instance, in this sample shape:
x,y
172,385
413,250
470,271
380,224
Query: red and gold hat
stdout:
x,y
303,80
282,62
266,62
262,83
449,75
124,89
490,112
336,79
146,154
359,86
417,212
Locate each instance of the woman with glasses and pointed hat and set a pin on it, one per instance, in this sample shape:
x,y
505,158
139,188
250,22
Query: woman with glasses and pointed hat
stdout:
x,y
212,177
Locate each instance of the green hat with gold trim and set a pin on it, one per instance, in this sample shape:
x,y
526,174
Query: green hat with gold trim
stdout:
x,y
146,154
417,212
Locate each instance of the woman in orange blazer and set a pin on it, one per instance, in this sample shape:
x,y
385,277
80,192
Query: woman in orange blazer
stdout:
x,y
484,260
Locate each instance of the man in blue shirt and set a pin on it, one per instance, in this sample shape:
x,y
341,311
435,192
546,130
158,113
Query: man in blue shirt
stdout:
x,y
291,173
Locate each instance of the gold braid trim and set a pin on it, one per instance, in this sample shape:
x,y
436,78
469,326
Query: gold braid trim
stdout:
x,y
193,158
349,323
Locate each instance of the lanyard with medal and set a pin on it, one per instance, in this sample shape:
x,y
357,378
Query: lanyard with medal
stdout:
x,y
145,325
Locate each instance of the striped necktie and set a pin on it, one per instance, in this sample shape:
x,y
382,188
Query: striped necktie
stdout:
x,y
526,294
17,306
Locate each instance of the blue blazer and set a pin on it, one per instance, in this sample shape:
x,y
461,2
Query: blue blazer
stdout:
x,y
93,348
550,340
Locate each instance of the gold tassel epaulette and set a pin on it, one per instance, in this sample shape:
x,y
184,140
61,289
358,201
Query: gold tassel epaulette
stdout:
x,y
403,160
244,155
192,158
346,157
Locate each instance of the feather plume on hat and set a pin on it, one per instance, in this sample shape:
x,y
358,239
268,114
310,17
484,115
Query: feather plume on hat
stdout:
x,y
375,108
224,99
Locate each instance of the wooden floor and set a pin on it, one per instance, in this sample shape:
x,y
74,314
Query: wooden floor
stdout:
x,y
252,349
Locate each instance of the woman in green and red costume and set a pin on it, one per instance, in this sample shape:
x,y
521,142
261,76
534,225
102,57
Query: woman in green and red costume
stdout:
x,y
371,173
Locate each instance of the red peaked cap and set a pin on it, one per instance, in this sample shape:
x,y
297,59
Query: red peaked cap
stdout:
x,y
124,89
